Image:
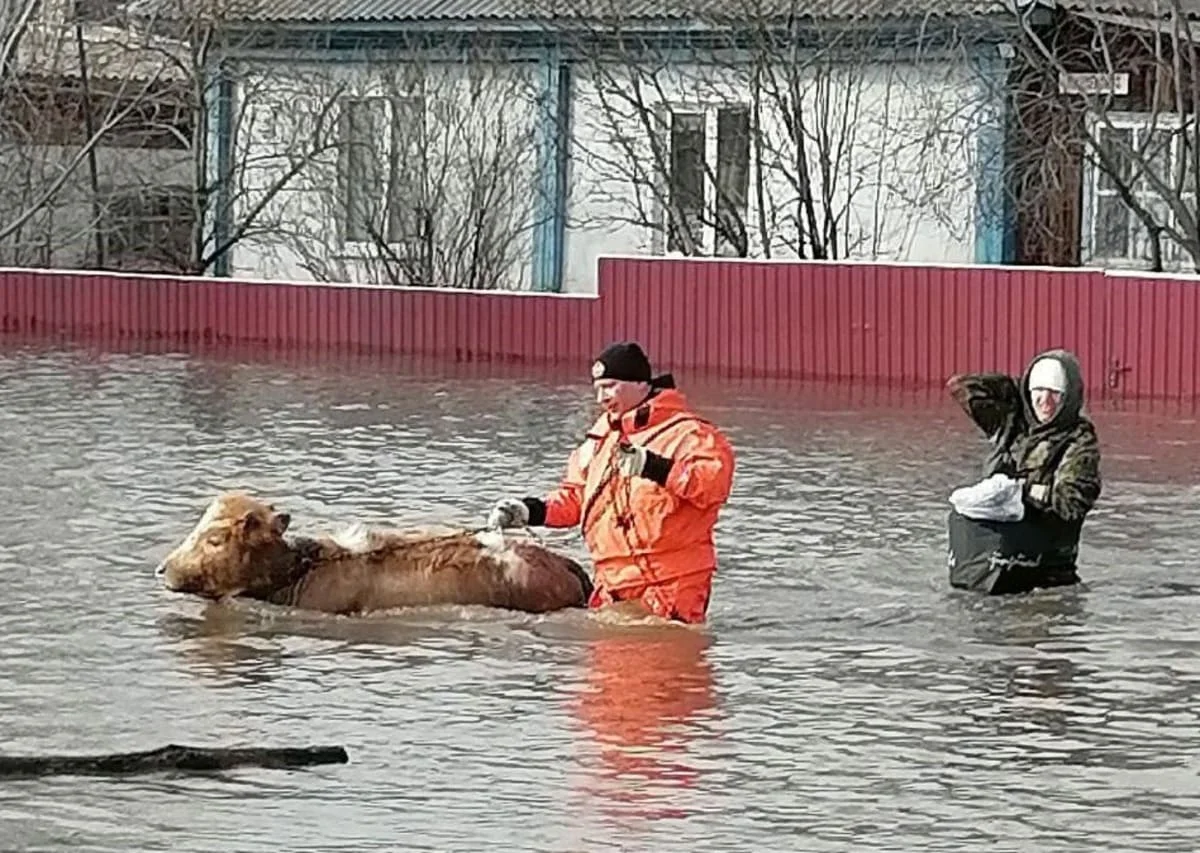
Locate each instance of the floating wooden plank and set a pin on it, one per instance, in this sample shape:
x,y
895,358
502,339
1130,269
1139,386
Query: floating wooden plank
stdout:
x,y
170,757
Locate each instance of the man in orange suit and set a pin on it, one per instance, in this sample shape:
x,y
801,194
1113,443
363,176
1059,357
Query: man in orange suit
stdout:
x,y
646,486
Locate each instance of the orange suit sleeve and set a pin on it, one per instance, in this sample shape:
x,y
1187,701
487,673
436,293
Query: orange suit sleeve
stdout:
x,y
562,506
702,468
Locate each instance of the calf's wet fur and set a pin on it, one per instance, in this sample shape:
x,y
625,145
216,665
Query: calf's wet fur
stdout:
x,y
240,548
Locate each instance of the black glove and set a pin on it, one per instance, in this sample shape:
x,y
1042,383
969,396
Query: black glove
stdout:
x,y
636,461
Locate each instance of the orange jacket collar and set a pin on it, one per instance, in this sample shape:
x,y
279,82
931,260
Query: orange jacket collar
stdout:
x,y
662,406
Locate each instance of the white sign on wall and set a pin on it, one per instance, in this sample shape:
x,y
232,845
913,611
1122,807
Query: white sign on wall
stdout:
x,y
1093,84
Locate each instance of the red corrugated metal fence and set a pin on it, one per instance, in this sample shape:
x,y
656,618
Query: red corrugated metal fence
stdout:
x,y
903,324
853,321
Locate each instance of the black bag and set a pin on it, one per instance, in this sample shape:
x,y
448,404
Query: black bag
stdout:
x,y
1005,557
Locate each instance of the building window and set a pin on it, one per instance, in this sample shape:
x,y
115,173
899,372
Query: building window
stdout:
x,y
150,229
100,11
685,186
733,181
380,170
707,187
1135,147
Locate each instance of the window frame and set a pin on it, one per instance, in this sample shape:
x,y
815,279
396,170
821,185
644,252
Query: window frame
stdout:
x,y
1138,123
664,115
143,220
109,13
403,245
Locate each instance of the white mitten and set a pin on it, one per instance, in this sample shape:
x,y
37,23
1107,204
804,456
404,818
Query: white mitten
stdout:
x,y
508,513
1040,492
631,460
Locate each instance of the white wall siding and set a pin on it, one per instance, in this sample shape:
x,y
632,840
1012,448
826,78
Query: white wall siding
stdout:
x,y
473,165
890,148
892,141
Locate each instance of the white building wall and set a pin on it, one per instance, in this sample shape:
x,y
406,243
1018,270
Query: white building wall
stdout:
x,y
476,149
899,158
897,137
60,231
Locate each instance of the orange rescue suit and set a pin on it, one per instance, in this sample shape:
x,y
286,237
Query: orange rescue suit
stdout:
x,y
649,541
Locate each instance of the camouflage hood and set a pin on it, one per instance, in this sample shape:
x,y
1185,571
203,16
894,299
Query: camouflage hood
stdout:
x,y
1071,410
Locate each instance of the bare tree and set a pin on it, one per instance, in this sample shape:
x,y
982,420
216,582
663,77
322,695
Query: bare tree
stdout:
x,y
430,173
1106,108
66,103
768,136
106,145
272,128
860,149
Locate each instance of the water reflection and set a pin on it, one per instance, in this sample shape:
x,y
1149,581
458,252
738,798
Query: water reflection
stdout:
x,y
841,694
208,394
647,697
1035,644
247,642
219,644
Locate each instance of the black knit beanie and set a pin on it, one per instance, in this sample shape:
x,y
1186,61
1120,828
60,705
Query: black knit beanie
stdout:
x,y
624,361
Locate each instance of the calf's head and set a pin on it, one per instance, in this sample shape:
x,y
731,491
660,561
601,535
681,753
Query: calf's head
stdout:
x,y
237,547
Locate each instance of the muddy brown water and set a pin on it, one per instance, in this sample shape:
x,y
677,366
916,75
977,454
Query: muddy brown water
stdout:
x,y
841,697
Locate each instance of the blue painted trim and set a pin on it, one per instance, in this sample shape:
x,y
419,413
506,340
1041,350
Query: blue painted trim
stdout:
x,y
549,219
220,172
562,165
995,226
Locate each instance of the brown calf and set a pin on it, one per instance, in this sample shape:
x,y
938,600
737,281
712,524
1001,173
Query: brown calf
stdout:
x,y
239,549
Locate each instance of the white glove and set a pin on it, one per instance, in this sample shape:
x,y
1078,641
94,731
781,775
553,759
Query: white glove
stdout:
x,y
1040,492
631,459
510,512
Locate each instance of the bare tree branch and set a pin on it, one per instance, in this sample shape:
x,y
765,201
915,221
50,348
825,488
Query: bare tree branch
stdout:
x,y
1138,149
432,177
768,132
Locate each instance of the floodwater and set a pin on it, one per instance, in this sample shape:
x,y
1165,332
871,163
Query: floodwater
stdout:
x,y
841,697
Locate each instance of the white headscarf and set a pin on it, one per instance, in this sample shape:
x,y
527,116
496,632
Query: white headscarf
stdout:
x,y
1048,373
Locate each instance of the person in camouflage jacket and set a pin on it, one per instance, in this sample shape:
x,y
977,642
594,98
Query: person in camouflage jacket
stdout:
x,y
1040,436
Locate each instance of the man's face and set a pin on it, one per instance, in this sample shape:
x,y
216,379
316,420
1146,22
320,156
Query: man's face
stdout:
x,y
1045,403
618,396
